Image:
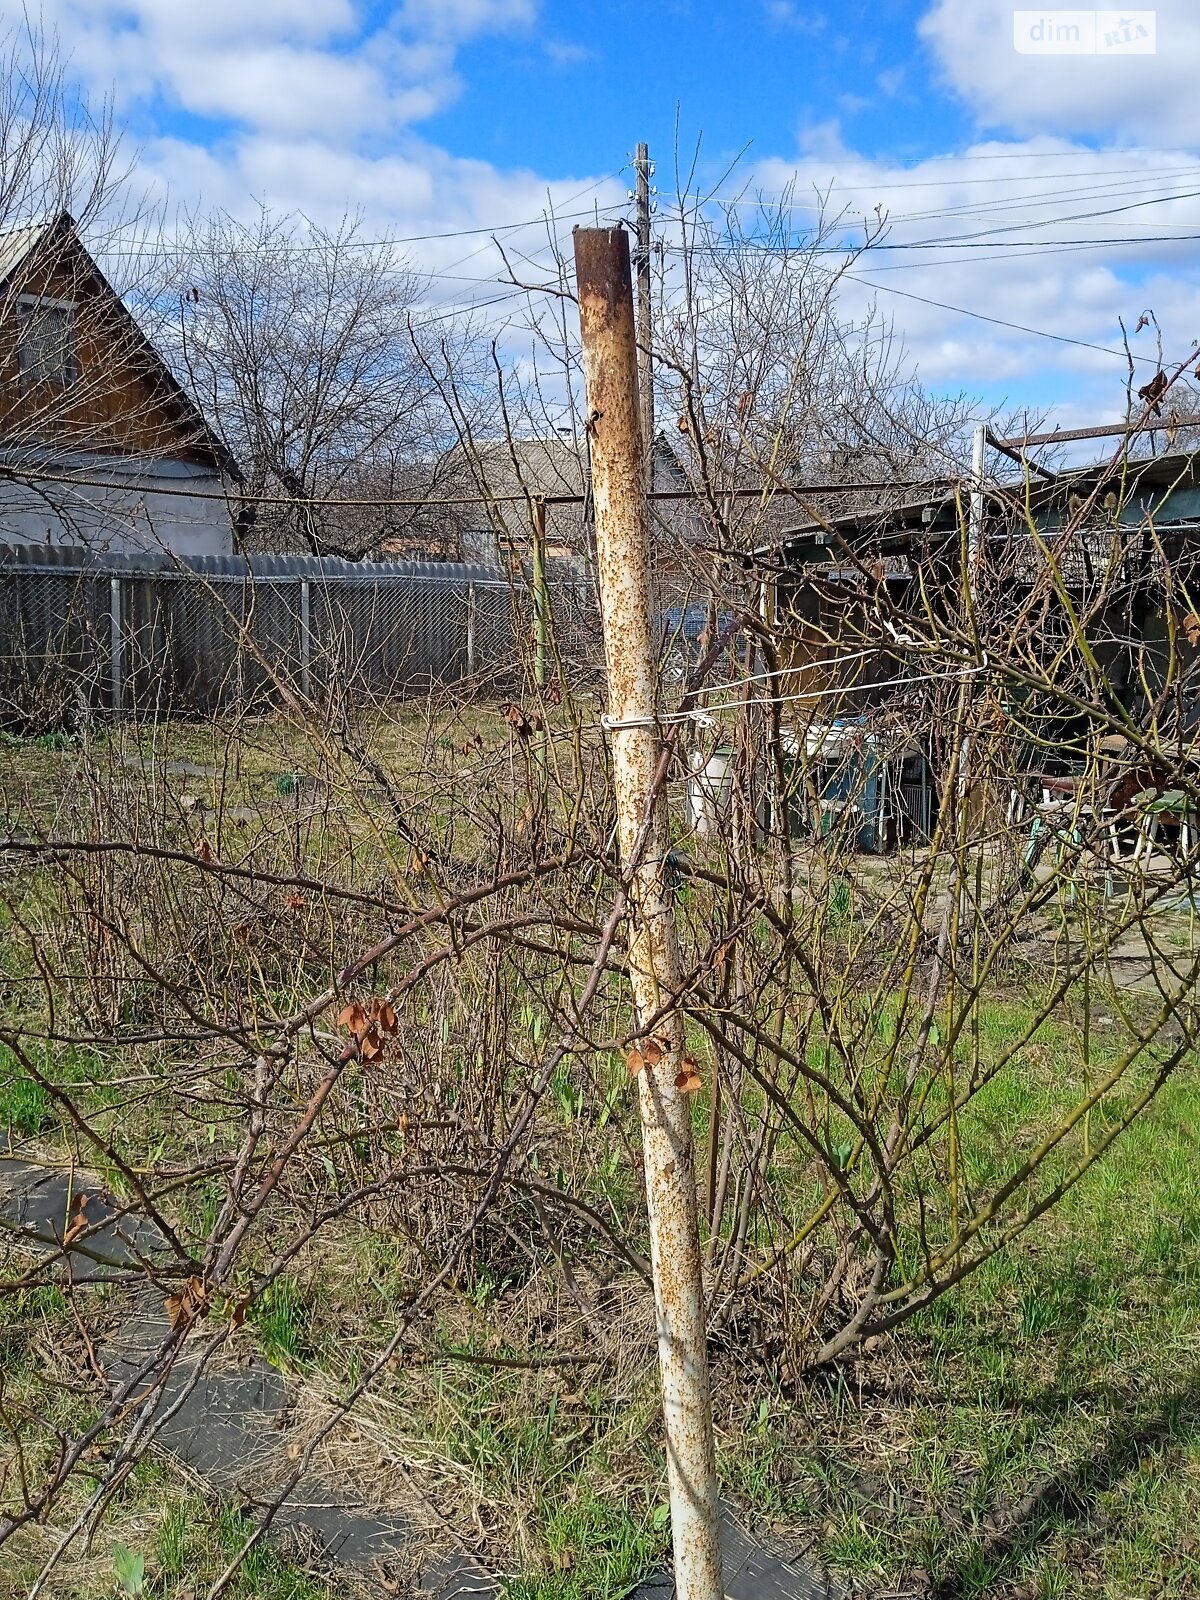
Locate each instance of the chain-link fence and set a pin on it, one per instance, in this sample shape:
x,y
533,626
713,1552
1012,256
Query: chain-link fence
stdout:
x,y
153,634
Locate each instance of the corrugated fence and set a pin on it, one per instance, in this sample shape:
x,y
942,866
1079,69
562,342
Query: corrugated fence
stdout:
x,y
82,633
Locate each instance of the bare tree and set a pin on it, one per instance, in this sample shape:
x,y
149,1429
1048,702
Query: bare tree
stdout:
x,y
296,341
771,380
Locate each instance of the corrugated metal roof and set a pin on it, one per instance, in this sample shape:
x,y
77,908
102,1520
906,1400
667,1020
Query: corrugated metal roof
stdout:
x,y
1172,475
18,243
165,564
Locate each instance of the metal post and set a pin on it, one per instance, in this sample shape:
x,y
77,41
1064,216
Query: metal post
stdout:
x,y
974,546
605,291
305,639
471,604
975,515
541,596
645,322
116,663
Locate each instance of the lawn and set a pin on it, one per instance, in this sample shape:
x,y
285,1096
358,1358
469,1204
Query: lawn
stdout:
x,y
1032,1432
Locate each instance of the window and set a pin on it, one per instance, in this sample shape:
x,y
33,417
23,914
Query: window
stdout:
x,y
46,342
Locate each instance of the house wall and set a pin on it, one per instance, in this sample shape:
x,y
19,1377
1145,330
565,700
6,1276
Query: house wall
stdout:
x,y
143,505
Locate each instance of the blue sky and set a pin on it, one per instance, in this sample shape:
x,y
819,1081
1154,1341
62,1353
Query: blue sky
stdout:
x,y
596,77
432,116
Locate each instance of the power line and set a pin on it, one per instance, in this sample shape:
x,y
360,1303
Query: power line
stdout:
x,y
167,247
1083,216
997,203
999,155
1032,246
30,475
955,241
1021,248
1000,322
938,183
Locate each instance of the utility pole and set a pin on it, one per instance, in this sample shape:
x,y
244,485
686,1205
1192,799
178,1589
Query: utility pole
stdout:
x,y
645,322
605,291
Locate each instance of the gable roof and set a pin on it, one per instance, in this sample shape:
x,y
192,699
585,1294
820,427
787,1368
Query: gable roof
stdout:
x,y
19,243
19,248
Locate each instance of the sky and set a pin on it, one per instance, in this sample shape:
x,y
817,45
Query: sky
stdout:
x,y
1056,191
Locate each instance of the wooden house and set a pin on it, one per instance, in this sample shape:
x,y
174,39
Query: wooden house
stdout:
x,y
99,445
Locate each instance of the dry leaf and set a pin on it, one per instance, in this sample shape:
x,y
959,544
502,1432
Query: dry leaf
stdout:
x,y
655,1049
1153,391
353,1017
687,1080
296,901
78,1224
205,852
517,720
192,1302
1191,627
635,1061
383,1014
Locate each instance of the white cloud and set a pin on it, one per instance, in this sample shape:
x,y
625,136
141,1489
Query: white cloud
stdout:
x,y
1005,220
787,14
890,80
318,112
564,53
277,65
315,110
412,189
1142,97
459,20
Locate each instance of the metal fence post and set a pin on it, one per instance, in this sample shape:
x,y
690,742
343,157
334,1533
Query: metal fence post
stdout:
x,y
305,640
605,289
541,597
471,605
115,645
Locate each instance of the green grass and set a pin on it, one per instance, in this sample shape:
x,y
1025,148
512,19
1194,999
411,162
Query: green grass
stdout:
x,y
1036,1432
25,1106
179,1543
593,1546
28,1108
281,1316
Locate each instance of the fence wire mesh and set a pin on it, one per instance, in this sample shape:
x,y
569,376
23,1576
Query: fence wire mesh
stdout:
x,y
78,640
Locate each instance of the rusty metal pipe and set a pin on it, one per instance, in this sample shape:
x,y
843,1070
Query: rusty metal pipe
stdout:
x,y
605,292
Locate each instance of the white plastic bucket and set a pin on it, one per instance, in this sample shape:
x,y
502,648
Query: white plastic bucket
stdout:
x,y
709,789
